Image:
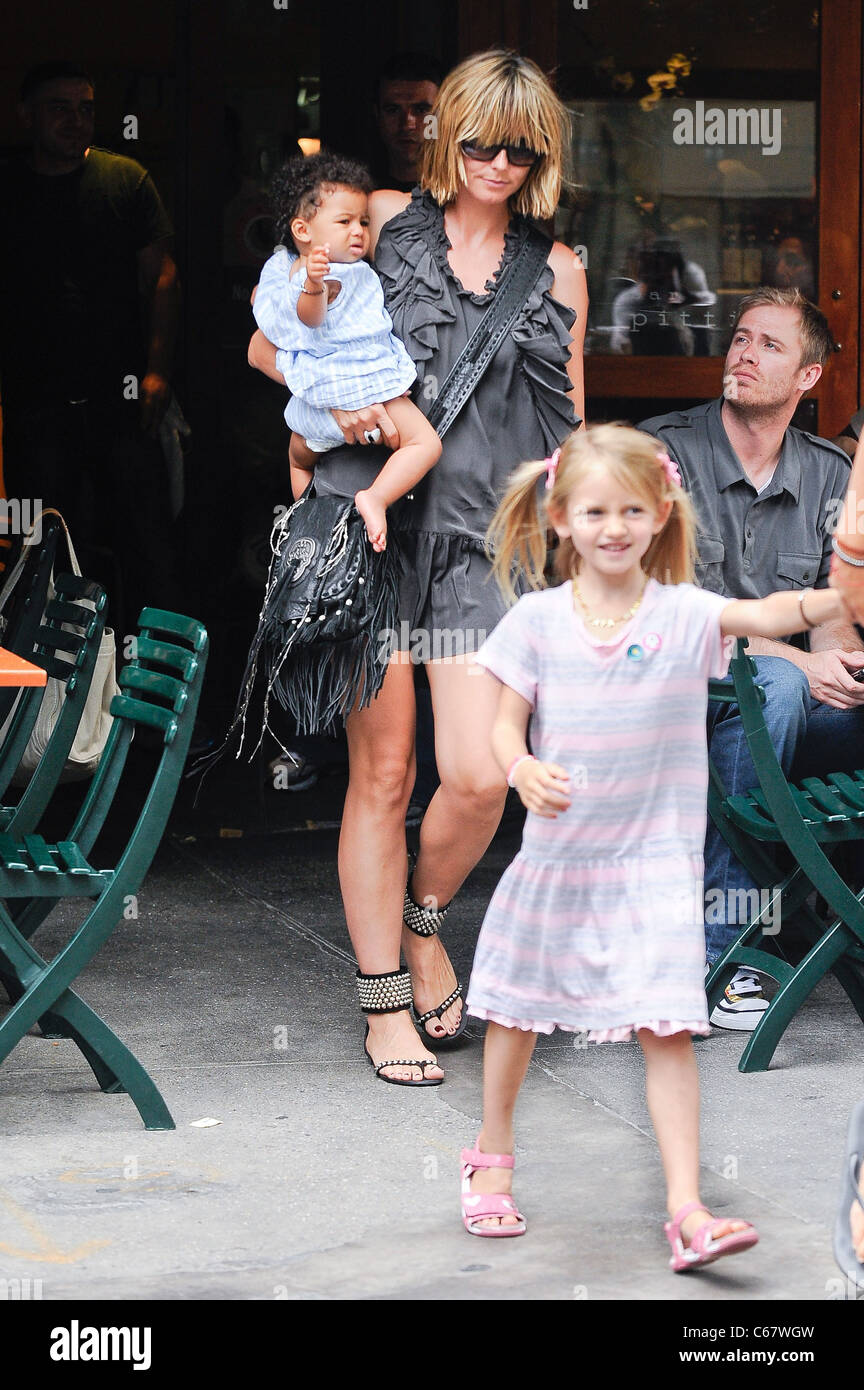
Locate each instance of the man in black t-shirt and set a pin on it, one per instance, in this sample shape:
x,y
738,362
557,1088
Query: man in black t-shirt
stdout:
x,y
88,316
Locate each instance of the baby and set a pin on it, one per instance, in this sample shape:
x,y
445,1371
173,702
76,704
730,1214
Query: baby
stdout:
x,y
322,305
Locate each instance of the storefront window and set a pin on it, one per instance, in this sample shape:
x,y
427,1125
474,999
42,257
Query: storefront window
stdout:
x,y
694,139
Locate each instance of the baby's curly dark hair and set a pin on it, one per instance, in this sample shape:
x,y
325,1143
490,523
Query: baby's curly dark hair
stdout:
x,y
296,189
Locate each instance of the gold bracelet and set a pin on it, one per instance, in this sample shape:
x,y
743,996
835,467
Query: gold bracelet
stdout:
x,y
313,292
801,598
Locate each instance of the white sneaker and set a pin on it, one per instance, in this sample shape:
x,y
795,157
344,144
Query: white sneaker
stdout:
x,y
742,1005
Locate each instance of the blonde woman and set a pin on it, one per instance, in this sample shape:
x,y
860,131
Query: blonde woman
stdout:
x,y
493,159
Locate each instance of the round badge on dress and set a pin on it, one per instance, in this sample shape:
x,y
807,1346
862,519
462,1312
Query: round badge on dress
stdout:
x,y
653,641
635,653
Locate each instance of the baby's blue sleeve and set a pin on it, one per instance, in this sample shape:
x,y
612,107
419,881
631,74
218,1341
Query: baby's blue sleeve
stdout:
x,y
275,306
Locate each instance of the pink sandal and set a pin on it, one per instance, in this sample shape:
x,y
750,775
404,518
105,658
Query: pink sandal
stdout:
x,y
479,1206
703,1248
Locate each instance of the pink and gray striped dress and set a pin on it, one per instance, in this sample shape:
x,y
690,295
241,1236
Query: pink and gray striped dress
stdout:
x,y
597,925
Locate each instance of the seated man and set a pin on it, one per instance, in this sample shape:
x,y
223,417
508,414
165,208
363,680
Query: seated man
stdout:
x,y
766,495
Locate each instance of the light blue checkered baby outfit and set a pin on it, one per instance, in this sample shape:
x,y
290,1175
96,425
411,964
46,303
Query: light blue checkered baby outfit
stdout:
x,y
351,361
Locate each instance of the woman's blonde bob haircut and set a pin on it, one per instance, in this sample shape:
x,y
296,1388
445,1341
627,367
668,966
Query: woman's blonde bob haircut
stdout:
x,y
497,98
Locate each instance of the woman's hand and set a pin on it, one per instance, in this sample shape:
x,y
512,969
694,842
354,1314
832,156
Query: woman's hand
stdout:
x,y
355,424
543,787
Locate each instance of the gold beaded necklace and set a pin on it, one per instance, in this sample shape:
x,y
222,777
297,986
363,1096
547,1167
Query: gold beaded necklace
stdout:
x,y
605,622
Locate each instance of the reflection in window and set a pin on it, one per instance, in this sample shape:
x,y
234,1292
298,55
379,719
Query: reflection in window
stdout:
x,y
694,166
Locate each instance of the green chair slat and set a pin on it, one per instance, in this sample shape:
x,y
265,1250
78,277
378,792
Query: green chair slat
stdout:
x,y
851,791
748,816
166,654
829,797
156,716
808,809
73,858
78,586
159,620
134,677
63,612
58,639
40,854
10,854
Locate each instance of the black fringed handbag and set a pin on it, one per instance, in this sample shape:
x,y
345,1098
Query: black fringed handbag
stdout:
x,y
331,601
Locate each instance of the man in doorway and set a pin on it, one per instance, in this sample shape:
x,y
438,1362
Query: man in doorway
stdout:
x,y
767,495
88,314
405,92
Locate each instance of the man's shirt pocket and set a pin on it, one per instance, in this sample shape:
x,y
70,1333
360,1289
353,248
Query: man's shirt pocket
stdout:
x,y
710,555
797,570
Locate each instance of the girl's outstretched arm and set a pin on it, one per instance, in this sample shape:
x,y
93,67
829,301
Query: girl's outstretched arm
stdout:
x,y
542,787
781,614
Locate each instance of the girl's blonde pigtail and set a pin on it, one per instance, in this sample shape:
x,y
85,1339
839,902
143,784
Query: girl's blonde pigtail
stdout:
x,y
516,539
671,556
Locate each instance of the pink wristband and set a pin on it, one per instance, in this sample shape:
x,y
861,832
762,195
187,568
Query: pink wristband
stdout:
x,y
523,757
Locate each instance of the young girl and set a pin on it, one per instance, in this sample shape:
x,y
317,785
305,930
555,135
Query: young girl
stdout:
x,y
597,926
323,307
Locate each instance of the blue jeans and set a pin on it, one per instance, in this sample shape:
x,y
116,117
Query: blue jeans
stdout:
x,y
809,738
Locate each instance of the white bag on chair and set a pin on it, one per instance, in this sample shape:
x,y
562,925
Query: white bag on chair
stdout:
x,y
95,725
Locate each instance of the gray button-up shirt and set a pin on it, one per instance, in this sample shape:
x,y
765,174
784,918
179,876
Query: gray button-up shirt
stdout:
x,y
751,543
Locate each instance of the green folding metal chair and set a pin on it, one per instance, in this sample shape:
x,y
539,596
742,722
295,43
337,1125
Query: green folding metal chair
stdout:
x,y
160,690
810,820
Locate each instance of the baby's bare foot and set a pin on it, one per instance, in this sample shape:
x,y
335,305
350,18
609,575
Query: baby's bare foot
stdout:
x,y
374,513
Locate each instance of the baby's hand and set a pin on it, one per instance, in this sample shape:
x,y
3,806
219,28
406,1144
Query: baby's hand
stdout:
x,y
543,787
318,264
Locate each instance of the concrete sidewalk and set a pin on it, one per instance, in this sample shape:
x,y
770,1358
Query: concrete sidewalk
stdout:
x,y
235,988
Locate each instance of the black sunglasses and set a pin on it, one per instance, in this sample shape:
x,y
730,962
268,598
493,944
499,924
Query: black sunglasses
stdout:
x,y
521,155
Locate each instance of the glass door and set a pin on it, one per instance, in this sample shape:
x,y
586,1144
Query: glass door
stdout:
x,y
708,152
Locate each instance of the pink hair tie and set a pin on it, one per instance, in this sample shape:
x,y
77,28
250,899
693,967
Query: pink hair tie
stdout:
x,y
552,469
670,468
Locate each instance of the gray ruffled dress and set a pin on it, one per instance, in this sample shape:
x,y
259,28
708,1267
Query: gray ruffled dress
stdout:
x,y
521,410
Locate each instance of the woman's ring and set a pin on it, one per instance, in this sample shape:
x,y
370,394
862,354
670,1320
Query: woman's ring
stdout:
x,y
372,436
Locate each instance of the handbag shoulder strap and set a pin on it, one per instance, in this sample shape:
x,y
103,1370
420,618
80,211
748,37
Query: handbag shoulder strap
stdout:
x,y
513,290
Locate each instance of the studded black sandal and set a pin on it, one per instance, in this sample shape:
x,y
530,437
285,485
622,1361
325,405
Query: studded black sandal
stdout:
x,y
389,994
423,921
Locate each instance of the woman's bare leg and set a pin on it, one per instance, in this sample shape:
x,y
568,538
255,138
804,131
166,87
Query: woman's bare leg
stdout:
x,y
505,1061
672,1092
460,822
372,856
